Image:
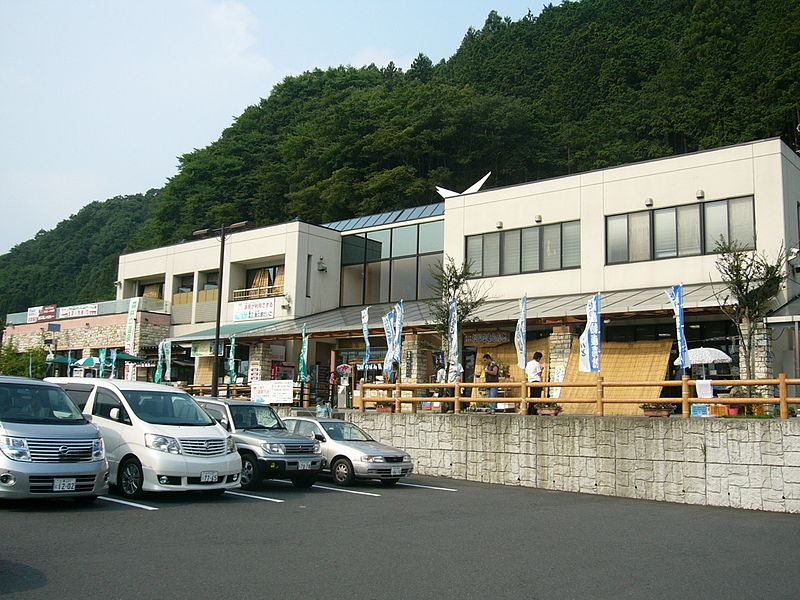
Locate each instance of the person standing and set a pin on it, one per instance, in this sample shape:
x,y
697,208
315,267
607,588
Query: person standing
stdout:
x,y
441,377
491,374
534,372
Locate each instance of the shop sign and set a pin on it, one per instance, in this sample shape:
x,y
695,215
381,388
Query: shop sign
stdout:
x,y
254,371
205,348
250,310
37,314
278,353
80,310
275,391
487,338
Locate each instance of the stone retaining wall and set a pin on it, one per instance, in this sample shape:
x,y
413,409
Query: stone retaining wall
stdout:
x,y
740,463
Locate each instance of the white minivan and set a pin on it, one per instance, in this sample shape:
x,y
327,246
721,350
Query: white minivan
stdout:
x,y
157,438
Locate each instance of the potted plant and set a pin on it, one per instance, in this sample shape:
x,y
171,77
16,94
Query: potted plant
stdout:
x,y
654,409
548,408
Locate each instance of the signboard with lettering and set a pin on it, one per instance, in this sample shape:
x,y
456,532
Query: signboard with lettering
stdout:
x,y
205,348
249,310
275,391
487,338
80,310
254,371
278,353
37,314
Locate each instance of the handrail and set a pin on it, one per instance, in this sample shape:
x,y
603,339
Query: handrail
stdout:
x,y
600,400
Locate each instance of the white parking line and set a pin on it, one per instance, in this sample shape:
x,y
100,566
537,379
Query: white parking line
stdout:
x,y
134,504
254,497
333,489
428,487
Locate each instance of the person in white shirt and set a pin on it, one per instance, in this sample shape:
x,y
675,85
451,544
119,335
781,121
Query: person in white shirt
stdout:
x,y
534,372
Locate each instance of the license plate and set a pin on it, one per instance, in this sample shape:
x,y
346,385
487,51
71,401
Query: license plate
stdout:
x,y
64,485
303,464
209,477
397,470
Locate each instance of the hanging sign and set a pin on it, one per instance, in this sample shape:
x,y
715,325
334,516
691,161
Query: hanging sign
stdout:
x,y
274,391
249,310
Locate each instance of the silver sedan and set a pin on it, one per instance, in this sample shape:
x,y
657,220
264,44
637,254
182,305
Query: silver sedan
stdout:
x,y
349,453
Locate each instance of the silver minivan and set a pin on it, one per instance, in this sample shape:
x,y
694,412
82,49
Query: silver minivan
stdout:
x,y
47,447
157,438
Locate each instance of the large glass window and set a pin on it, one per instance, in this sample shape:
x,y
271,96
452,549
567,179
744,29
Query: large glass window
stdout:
x,y
680,231
544,248
428,264
390,264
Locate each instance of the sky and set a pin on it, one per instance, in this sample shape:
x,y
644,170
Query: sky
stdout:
x,y
99,98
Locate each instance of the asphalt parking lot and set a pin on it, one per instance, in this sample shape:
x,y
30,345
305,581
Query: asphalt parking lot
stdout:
x,y
430,538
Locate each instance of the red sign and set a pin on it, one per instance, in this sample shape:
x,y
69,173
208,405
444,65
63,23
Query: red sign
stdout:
x,y
37,314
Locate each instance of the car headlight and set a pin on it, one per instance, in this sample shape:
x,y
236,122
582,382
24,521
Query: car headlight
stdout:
x,y
406,458
98,449
373,459
231,445
15,448
274,448
317,448
162,443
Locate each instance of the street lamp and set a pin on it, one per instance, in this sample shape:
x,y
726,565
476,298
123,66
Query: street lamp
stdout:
x,y
222,232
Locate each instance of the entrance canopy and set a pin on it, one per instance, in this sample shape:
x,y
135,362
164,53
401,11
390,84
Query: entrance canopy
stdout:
x,y
241,328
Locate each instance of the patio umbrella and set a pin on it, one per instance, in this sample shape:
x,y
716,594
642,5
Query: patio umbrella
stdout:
x,y
129,357
89,361
705,356
58,360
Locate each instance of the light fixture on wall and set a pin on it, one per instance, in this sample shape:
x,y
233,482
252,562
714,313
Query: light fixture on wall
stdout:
x,y
700,194
499,224
648,202
287,302
538,218
321,266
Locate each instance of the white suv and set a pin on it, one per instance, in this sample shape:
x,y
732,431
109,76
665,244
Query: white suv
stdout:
x,y
157,438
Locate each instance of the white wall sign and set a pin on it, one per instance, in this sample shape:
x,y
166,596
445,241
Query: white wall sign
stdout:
x,y
82,310
249,310
254,372
276,391
278,353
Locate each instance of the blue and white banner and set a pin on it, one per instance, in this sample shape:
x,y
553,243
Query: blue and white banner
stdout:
x,y
388,328
232,361
399,316
521,333
453,356
590,338
113,363
365,331
676,298
302,370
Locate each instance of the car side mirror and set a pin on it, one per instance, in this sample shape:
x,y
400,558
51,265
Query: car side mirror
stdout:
x,y
113,414
224,422
87,416
319,437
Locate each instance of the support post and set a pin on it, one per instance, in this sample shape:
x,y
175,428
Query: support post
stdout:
x,y
598,411
524,405
686,408
457,396
783,394
396,393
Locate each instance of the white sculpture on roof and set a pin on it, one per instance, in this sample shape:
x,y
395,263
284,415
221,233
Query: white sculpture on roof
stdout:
x,y
445,193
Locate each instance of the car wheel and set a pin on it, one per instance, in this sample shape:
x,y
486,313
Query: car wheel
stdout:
x,y
389,482
85,500
131,478
252,476
342,470
304,481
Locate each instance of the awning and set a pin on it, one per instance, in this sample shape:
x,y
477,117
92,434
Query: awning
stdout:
x,y
58,360
546,309
225,331
129,357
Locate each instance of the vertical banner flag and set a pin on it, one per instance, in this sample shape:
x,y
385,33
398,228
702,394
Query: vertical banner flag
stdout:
x,y
302,373
130,336
167,360
232,361
676,297
102,358
399,316
159,376
453,357
388,328
365,331
521,333
590,338
69,363
113,363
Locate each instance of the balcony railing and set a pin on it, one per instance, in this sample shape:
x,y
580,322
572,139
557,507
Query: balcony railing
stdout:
x,y
269,291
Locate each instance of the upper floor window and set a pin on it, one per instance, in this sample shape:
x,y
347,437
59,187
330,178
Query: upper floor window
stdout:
x,y
688,230
544,248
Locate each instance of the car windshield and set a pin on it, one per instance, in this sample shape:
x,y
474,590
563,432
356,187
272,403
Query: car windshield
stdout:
x,y
23,403
167,408
255,416
346,432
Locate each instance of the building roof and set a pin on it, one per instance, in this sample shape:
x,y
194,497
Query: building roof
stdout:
x,y
551,309
388,218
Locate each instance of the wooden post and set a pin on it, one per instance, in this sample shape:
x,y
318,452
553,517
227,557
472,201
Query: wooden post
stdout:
x,y
457,396
686,408
396,393
361,403
783,393
598,411
523,393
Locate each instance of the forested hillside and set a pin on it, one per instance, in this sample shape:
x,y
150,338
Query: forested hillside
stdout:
x,y
580,86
